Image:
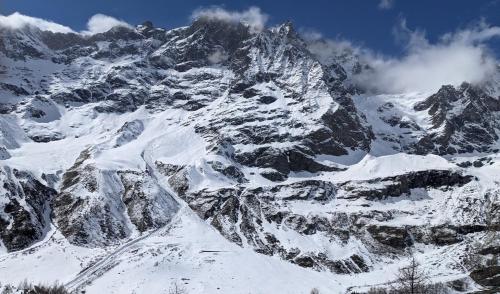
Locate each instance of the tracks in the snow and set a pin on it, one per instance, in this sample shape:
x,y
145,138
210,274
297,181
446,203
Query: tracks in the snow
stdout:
x,y
89,274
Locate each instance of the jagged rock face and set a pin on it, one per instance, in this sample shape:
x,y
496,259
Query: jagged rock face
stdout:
x,y
452,121
274,90
464,119
340,61
24,210
88,209
380,188
20,45
261,217
282,95
394,237
489,276
205,42
98,207
129,132
148,205
282,161
255,217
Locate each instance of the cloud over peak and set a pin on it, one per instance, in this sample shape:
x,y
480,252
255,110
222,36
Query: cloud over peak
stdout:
x,y
18,21
98,23
253,16
462,56
456,57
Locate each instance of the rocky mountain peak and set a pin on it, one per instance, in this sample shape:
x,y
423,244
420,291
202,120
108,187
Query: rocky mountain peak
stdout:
x,y
226,33
145,27
287,29
147,24
458,113
117,33
150,31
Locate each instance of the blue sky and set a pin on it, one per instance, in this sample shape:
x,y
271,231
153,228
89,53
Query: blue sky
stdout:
x,y
368,23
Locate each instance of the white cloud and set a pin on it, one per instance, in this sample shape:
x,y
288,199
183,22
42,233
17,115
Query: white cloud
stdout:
x,y
98,23
479,33
325,49
310,35
385,4
253,16
454,58
18,21
217,57
101,23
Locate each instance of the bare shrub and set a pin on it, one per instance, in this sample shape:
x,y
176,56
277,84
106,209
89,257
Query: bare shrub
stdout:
x,y
7,289
176,288
26,287
412,279
375,290
53,289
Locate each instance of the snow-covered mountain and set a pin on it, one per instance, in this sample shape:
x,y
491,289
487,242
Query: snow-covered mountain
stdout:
x,y
235,161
